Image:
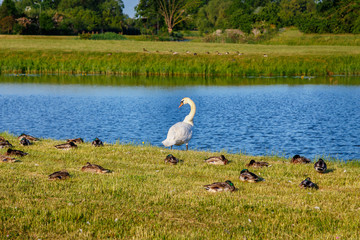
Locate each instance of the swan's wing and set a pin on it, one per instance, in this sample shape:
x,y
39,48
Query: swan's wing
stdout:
x,y
178,134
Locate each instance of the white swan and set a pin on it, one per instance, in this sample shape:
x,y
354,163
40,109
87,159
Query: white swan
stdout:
x,y
181,132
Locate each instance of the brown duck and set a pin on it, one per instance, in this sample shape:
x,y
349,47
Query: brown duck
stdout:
x,y
247,176
75,140
66,146
320,166
97,142
28,137
7,159
217,160
5,144
25,142
16,152
300,159
171,159
307,183
60,175
226,186
94,168
255,164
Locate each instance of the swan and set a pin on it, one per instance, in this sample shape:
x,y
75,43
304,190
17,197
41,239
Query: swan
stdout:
x,y
181,132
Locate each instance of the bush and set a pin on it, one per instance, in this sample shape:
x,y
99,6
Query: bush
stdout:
x,y
107,36
85,36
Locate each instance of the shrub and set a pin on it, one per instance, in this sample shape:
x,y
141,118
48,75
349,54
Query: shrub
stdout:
x,y
107,36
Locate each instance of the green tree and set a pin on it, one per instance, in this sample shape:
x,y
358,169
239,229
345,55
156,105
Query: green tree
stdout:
x,y
214,15
292,9
147,11
175,11
8,8
112,16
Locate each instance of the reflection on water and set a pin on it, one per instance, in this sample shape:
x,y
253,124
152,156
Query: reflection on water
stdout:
x,y
259,116
173,81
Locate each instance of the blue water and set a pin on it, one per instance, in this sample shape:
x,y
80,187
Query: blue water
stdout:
x,y
310,120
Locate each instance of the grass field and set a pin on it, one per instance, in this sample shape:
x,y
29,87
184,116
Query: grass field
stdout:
x,y
39,54
292,36
143,198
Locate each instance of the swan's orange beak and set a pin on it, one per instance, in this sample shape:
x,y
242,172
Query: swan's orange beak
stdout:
x,y
181,104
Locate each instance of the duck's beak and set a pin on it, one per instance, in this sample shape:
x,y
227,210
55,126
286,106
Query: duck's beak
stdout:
x,y
182,103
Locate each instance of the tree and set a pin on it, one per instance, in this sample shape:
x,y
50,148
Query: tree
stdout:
x,y
7,8
148,13
174,11
214,15
7,24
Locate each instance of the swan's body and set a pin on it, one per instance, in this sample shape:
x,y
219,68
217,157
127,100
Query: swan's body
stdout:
x,y
181,132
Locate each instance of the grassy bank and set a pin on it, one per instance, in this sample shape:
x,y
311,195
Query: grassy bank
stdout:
x,y
145,199
66,55
292,36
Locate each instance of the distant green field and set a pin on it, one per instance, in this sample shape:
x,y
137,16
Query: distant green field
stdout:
x,y
143,198
292,36
40,54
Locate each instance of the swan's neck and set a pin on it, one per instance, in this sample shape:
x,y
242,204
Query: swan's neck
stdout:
x,y
189,118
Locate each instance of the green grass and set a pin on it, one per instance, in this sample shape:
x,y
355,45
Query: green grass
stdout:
x,y
24,54
145,199
292,36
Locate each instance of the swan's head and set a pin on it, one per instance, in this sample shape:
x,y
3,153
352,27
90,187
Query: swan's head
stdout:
x,y
185,101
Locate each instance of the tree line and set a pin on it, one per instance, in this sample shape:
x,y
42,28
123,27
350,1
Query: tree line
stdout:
x,y
159,16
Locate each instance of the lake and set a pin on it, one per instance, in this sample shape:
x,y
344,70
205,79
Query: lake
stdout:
x,y
314,117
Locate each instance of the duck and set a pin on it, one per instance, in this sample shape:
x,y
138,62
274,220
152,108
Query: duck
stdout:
x,y
66,146
217,160
94,168
300,159
16,152
25,142
75,140
181,132
60,175
97,142
247,176
171,159
7,159
320,166
5,144
28,137
255,164
307,183
2,139
226,186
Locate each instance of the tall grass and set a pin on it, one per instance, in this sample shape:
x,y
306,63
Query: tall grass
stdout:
x,y
146,199
66,55
172,65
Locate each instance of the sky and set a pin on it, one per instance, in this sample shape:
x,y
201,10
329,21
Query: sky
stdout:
x,y
129,7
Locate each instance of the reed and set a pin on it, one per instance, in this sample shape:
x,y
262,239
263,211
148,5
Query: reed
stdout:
x,y
172,65
39,54
143,198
